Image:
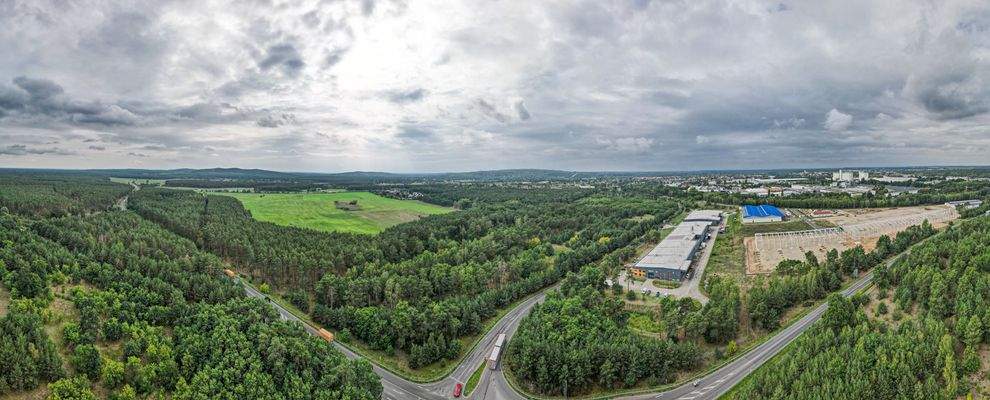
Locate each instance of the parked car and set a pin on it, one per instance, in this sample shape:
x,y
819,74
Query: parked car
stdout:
x,y
457,390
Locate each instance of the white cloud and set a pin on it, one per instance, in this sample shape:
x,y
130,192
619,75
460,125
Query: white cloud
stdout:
x,y
837,121
307,86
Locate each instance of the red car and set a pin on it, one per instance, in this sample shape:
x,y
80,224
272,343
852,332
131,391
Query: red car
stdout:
x,y
457,390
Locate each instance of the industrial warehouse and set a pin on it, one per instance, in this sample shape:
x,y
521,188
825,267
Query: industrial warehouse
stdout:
x,y
672,257
761,213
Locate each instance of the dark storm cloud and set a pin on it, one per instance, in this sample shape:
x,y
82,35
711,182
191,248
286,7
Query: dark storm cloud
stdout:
x,y
367,7
155,147
311,19
407,96
20,150
521,110
953,97
285,57
333,57
276,120
12,98
250,83
668,98
489,110
411,133
38,89
44,102
44,98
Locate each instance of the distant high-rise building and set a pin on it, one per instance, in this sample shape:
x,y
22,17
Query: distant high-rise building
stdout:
x,y
850,176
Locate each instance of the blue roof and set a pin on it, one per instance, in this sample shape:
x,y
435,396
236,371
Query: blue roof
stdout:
x,y
764,210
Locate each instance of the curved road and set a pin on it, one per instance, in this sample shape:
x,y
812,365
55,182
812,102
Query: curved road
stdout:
x,y
493,384
395,387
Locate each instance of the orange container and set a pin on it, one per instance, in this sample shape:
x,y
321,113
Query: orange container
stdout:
x,y
326,335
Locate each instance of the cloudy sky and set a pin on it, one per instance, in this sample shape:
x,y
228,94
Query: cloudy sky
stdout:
x,y
455,85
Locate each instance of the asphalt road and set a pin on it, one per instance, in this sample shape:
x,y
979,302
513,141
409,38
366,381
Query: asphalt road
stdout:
x,y
493,384
395,387
722,380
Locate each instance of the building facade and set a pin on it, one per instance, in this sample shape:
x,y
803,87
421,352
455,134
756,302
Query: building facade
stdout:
x,y
761,213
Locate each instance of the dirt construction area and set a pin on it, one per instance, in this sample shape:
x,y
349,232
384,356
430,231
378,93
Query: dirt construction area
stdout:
x,y
856,227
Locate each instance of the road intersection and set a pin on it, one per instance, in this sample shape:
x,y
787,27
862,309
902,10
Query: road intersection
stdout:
x,y
494,385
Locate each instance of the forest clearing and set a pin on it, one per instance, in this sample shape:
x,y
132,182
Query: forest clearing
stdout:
x,y
318,211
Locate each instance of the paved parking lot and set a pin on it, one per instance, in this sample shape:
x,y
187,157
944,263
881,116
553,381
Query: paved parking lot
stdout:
x,y
688,288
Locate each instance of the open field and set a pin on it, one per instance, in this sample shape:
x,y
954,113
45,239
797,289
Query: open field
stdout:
x,y
766,227
727,258
855,227
317,210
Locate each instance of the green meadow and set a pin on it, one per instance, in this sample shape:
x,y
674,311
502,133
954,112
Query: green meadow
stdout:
x,y
317,210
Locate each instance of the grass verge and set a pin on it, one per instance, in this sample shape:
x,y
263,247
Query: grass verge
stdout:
x,y
766,227
474,379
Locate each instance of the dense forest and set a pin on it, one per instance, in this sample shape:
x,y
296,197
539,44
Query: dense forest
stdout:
x,y
578,339
109,303
417,287
286,256
919,335
114,303
463,195
43,195
257,185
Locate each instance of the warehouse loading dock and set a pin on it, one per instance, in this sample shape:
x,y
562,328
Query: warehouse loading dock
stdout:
x,y
672,258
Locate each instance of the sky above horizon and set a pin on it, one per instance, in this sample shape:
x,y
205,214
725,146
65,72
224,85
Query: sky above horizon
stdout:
x,y
454,85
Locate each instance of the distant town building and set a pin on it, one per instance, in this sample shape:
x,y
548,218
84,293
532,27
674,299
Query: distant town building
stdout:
x,y
965,203
895,179
850,176
761,213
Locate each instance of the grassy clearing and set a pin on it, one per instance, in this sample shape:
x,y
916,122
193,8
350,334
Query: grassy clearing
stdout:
x,y
317,210
473,380
645,323
728,258
824,223
660,283
766,227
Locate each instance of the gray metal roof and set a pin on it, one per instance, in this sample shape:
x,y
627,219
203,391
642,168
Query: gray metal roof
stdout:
x,y
674,251
704,215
